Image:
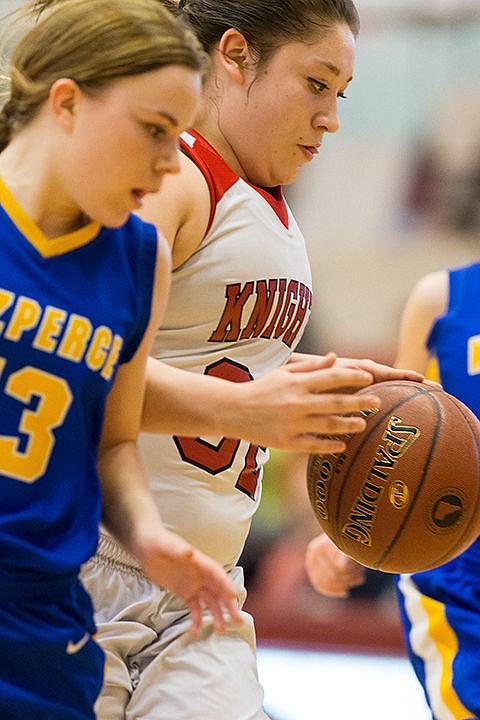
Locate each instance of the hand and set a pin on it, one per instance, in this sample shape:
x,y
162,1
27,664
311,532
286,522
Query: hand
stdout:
x,y
380,372
301,405
171,562
330,571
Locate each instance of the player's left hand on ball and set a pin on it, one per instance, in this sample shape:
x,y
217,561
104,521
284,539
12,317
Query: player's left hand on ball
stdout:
x,y
330,571
201,582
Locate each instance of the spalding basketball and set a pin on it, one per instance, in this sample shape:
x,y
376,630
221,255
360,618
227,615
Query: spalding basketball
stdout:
x,y
405,494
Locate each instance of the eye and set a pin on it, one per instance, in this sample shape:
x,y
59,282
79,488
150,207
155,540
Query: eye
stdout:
x,y
342,95
317,86
155,131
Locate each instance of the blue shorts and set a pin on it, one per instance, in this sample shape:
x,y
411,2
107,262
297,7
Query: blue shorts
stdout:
x,y
50,667
440,613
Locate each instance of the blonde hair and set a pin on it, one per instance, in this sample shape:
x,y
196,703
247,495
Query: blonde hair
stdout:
x,y
93,42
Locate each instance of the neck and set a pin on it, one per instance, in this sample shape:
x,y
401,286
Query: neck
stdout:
x,y
208,127
25,170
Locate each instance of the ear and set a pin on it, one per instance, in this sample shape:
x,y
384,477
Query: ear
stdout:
x,y
64,97
235,54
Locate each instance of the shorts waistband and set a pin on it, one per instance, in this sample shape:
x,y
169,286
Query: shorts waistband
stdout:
x,y
110,551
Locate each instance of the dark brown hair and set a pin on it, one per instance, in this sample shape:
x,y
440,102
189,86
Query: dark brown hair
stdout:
x,y
266,24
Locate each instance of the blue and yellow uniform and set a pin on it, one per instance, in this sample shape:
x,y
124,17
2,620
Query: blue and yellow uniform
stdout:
x,y
440,608
71,310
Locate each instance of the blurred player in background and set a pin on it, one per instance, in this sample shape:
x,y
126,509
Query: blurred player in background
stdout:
x,y
440,608
78,277
241,296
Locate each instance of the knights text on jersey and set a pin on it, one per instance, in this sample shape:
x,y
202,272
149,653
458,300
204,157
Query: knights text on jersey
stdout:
x,y
238,307
71,310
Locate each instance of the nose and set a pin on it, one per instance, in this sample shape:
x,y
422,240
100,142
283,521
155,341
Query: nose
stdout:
x,y
168,160
327,117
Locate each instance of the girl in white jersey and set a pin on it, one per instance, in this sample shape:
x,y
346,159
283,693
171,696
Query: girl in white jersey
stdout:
x,y
241,296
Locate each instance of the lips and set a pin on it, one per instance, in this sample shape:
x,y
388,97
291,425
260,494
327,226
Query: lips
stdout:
x,y
138,196
139,193
309,151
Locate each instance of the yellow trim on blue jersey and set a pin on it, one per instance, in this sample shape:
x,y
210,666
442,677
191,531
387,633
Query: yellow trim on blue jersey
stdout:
x,y
32,233
433,371
446,645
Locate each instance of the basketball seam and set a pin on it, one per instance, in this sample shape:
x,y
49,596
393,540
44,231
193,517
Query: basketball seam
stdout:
x,y
426,465
339,540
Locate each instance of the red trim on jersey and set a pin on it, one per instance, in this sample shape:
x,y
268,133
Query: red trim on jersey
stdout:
x,y
220,177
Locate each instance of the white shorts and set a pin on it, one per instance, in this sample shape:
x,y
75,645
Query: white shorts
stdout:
x,y
154,669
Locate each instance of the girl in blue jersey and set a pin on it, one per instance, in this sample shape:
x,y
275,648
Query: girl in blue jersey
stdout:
x,y
99,92
440,608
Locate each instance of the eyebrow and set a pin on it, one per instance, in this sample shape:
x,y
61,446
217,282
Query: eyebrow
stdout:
x,y
334,69
173,121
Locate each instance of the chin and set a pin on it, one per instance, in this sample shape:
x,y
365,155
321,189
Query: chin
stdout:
x,y
290,178
115,219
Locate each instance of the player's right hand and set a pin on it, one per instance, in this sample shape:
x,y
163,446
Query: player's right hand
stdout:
x,y
171,562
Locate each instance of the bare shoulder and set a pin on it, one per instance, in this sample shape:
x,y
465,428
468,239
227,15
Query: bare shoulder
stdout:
x,y
180,210
194,200
431,293
427,301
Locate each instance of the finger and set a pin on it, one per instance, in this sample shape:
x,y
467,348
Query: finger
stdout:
x,y
342,404
310,363
329,435
384,372
329,425
338,377
433,384
410,375
217,615
196,616
233,609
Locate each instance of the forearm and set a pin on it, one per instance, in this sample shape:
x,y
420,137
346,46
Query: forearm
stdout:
x,y
178,402
129,511
166,558
296,407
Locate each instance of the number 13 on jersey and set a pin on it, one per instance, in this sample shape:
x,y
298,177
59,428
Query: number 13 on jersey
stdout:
x,y
54,399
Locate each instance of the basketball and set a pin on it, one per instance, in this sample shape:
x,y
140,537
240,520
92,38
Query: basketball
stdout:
x,y
405,494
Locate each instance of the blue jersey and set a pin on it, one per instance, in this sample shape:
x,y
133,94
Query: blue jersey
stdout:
x,y
454,343
440,608
454,340
71,310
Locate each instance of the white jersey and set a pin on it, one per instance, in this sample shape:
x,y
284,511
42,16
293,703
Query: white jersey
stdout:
x,y
237,309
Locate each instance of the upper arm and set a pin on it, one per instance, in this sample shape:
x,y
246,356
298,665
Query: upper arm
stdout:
x,y
180,210
125,400
427,301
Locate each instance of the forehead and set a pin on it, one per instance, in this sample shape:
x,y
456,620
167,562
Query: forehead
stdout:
x,y
160,91
160,81
333,52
